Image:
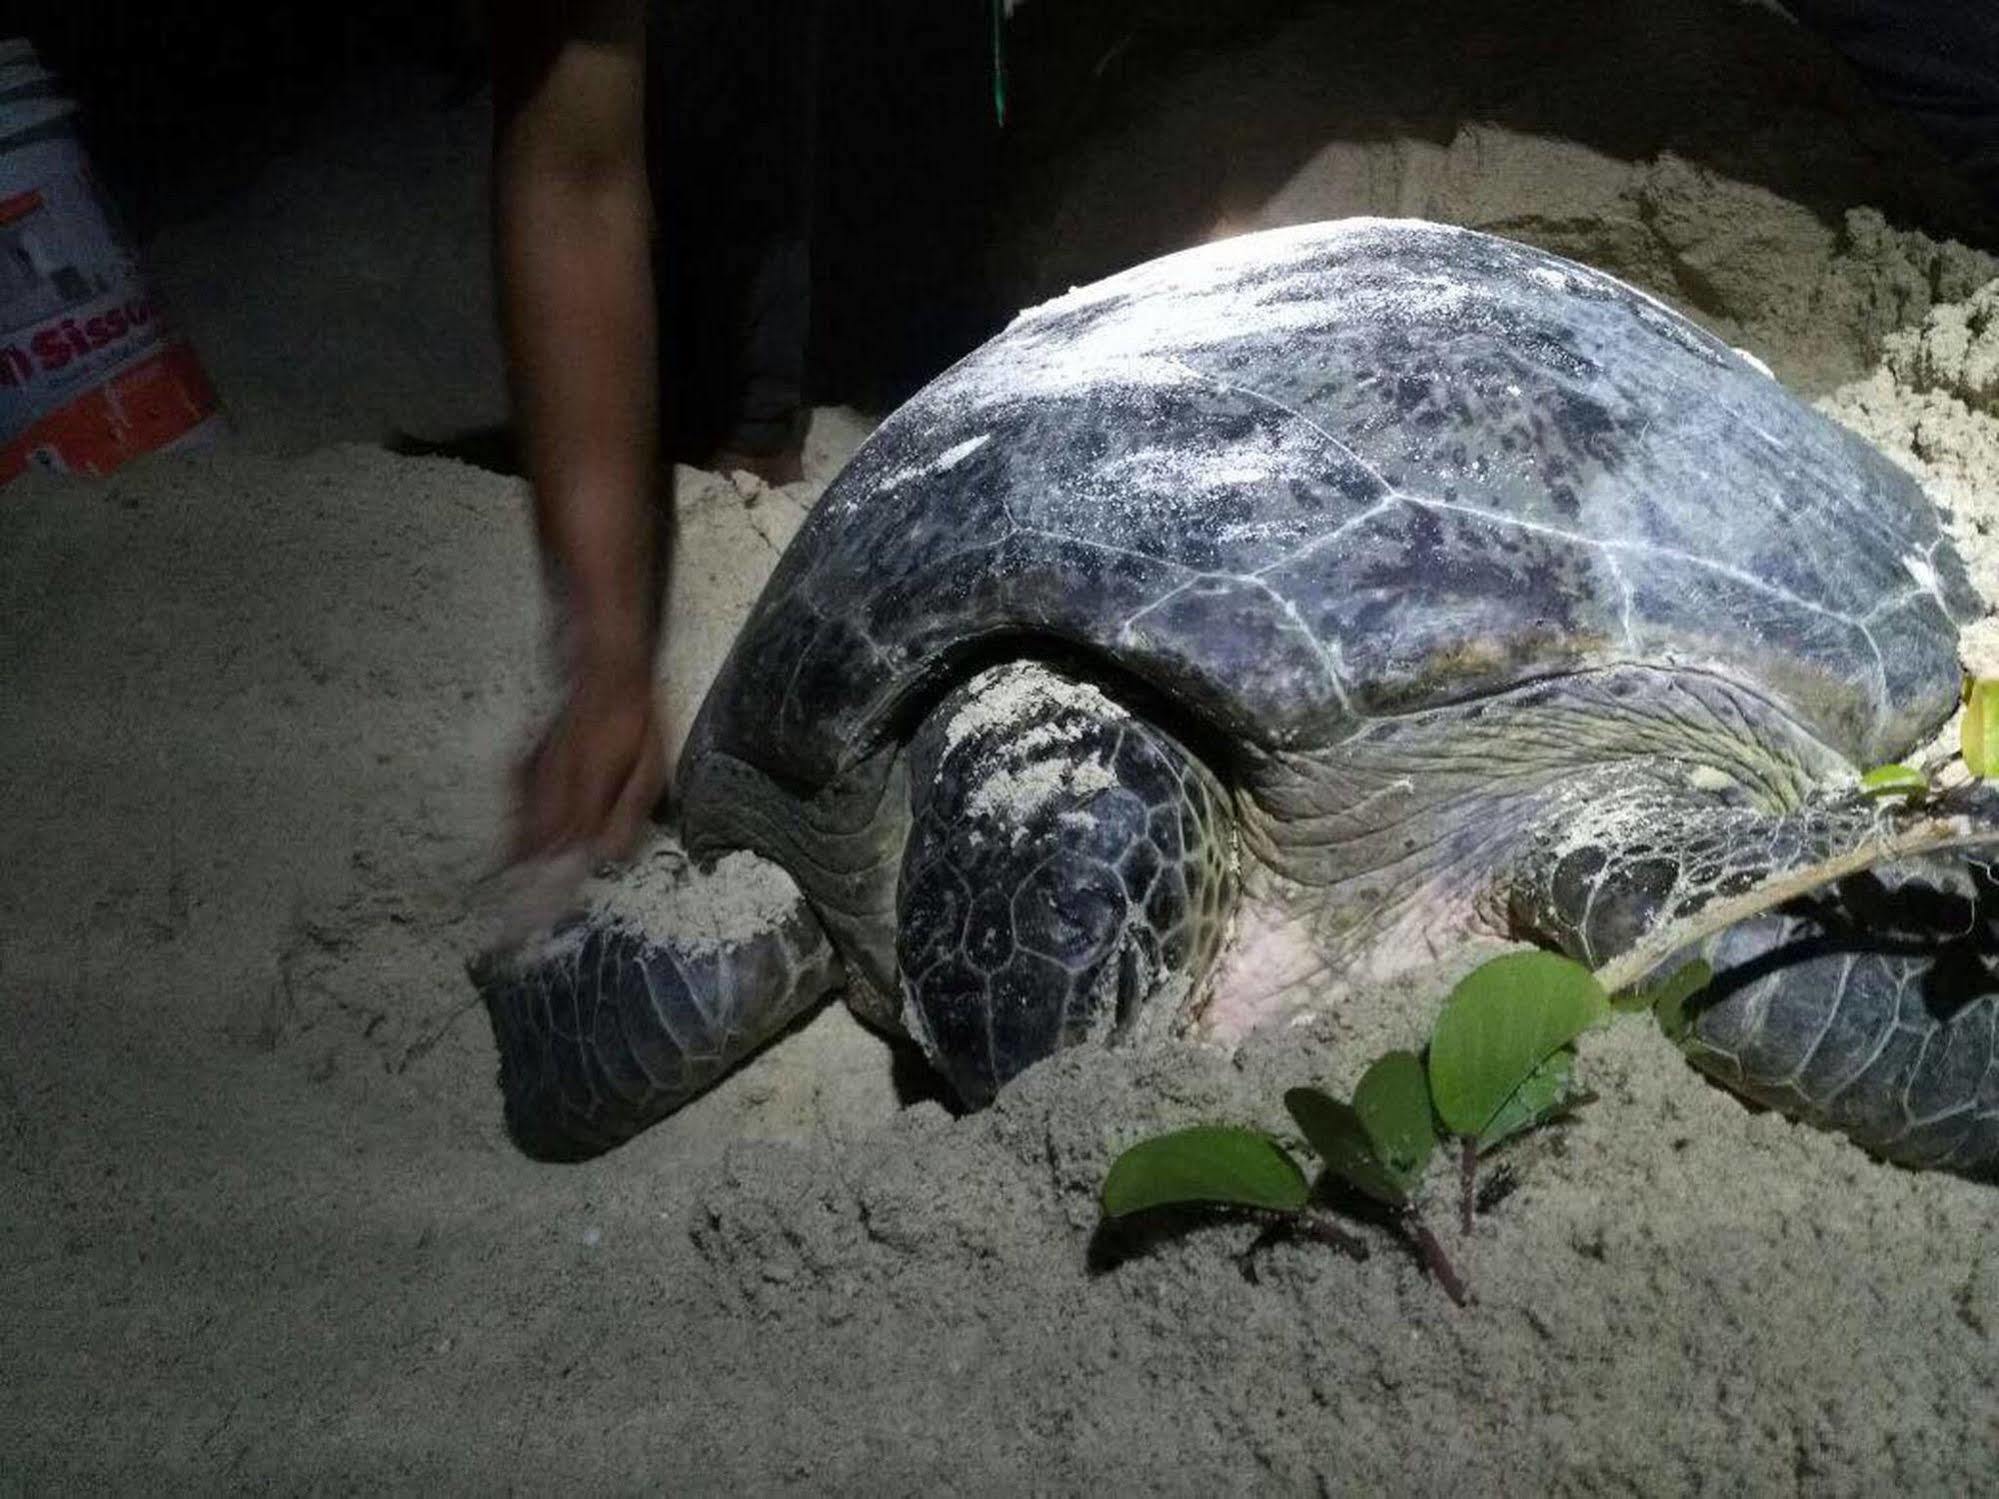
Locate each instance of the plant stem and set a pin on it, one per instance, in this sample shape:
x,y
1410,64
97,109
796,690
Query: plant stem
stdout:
x,y
1272,1232
1277,1224
1467,1175
1434,1259
1317,1226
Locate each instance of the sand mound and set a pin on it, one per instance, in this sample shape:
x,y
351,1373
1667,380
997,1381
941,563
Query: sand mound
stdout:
x,y
1956,351
1681,1293
1933,405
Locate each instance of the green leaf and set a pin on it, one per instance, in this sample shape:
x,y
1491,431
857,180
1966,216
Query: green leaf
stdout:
x,y
1207,1163
1894,780
1670,998
1393,1101
1548,1088
1500,1023
1675,989
1979,736
1335,1131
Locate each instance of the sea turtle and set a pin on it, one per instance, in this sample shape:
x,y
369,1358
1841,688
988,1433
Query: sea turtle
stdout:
x,y
1268,617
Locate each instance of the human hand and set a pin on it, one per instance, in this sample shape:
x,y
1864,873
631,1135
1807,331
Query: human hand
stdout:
x,y
590,783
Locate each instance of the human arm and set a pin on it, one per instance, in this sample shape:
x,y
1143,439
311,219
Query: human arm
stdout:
x,y
572,247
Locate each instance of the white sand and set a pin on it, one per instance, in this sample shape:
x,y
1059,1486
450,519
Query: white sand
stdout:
x,y
261,1227
1933,405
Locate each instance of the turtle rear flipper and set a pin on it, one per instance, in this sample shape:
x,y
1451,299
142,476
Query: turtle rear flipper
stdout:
x,y
606,1026
1871,1007
1850,942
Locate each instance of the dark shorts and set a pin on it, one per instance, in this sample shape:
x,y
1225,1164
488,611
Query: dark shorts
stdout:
x,y
767,252
732,106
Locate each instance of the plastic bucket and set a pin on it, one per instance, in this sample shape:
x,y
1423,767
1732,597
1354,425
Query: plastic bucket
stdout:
x,y
91,375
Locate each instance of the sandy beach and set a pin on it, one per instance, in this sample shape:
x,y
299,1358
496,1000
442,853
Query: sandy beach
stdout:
x,y
262,1228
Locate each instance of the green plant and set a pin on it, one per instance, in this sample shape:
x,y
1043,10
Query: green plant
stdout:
x,y
1977,742
1501,1061
1501,1056
1205,1163
1978,736
1667,999
1895,780
1380,1145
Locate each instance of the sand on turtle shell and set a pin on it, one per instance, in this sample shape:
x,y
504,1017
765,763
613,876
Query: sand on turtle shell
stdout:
x,y
261,1225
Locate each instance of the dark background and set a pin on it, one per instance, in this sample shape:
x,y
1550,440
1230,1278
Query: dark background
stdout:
x,y
185,103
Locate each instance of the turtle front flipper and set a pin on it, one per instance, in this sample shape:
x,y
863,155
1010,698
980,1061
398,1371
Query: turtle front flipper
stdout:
x,y
1068,876
608,1024
1852,945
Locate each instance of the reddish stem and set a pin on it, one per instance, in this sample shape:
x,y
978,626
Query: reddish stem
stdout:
x,y
1467,1176
1434,1259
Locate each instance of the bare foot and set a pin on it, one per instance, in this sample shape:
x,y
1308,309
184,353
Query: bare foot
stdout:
x,y
775,469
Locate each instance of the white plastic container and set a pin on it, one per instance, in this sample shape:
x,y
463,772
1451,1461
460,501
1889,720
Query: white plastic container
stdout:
x,y
90,373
